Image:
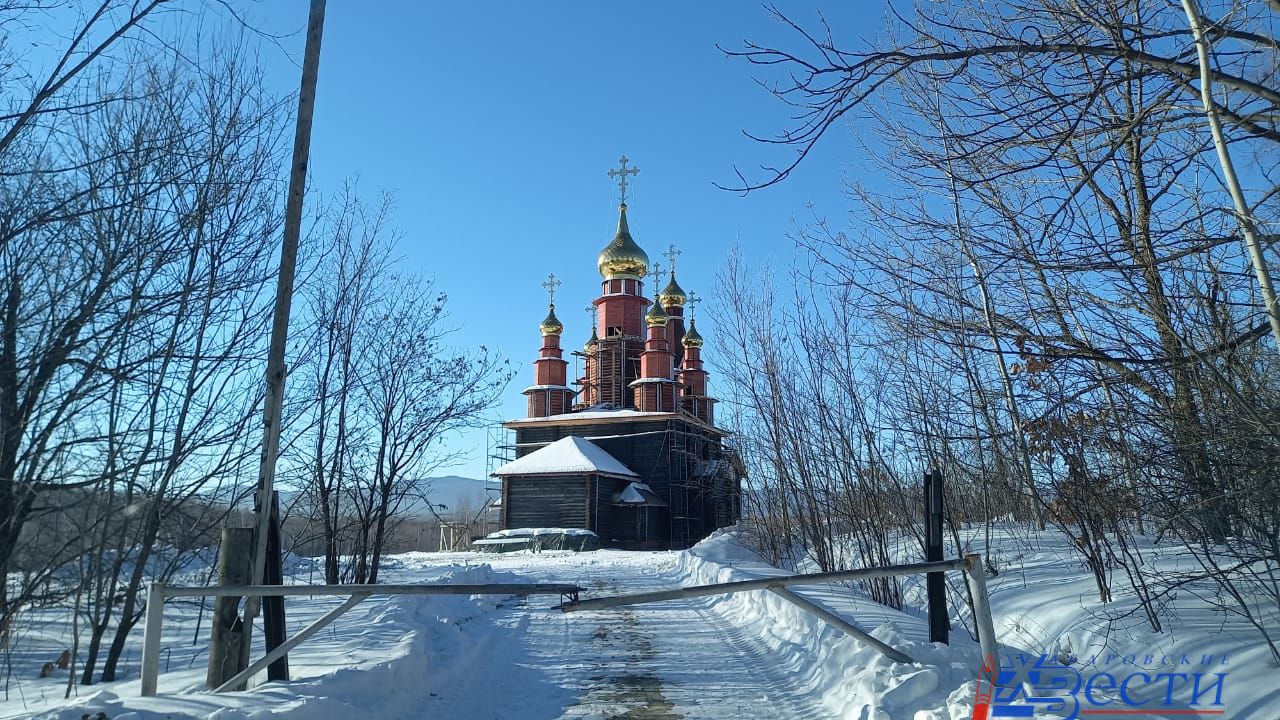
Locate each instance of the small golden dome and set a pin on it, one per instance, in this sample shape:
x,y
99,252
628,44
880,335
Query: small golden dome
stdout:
x,y
551,325
672,294
656,315
691,337
622,258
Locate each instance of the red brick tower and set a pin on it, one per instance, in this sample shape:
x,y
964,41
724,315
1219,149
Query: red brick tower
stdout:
x,y
673,299
619,318
587,383
656,390
696,402
549,394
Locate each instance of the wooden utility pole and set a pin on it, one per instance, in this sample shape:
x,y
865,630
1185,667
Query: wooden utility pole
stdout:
x,y
284,300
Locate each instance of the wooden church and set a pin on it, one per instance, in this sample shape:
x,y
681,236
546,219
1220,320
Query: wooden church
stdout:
x,y
633,453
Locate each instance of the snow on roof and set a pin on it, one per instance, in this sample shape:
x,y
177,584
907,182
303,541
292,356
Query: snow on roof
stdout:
x,y
535,532
593,415
632,494
570,455
638,493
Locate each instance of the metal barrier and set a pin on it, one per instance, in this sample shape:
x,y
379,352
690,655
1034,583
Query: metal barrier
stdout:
x,y
972,565
160,592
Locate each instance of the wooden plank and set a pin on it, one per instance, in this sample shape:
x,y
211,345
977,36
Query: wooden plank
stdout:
x,y
320,590
151,639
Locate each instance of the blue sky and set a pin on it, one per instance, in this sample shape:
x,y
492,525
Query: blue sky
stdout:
x,y
494,124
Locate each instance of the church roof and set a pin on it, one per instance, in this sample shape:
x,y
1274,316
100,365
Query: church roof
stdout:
x,y
570,455
597,415
638,494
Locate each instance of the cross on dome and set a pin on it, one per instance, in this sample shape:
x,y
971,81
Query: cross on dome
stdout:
x,y
551,284
671,253
621,173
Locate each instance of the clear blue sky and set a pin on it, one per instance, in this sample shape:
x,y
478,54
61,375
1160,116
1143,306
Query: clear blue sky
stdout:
x,y
494,125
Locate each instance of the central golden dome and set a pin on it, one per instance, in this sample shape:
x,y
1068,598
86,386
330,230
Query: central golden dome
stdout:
x,y
622,258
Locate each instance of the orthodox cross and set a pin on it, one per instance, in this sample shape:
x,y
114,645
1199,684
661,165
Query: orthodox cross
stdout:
x,y
622,174
671,254
591,315
551,285
692,302
656,271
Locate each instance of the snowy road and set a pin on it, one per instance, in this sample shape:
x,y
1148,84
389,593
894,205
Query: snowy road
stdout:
x,y
678,659
750,655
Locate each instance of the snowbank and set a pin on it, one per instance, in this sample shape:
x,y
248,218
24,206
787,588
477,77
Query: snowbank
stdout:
x,y
855,681
398,642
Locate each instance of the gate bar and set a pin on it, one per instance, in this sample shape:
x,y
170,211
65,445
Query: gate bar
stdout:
x,y
856,632
159,591
417,589
762,584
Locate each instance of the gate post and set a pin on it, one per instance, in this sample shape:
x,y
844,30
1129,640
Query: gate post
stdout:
x,y
935,582
273,605
151,639
976,574
227,635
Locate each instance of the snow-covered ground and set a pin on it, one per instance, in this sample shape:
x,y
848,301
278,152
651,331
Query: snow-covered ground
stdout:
x,y
750,655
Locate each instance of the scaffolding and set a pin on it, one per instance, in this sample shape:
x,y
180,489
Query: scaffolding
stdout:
x,y
678,462
617,363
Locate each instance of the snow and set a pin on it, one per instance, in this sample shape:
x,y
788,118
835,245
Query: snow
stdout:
x,y
535,532
570,455
533,388
631,494
746,655
623,414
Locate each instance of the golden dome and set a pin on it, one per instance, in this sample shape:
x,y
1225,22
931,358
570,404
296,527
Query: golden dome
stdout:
x,y
623,258
672,294
551,325
691,338
656,315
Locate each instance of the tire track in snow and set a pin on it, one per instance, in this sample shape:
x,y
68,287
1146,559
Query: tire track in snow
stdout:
x,y
763,664
680,659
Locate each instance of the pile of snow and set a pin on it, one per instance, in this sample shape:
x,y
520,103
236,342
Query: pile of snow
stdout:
x,y
1044,602
537,532
351,669
853,680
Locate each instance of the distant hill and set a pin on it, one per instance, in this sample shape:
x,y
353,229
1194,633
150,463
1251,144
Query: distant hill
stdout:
x,y
456,493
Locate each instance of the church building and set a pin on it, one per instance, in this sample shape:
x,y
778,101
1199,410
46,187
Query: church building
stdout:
x,y
632,453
